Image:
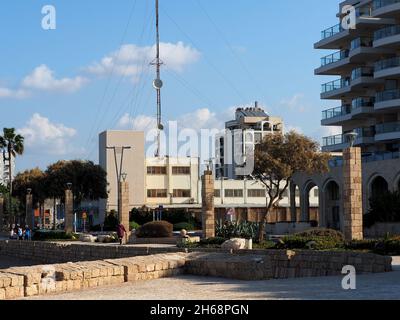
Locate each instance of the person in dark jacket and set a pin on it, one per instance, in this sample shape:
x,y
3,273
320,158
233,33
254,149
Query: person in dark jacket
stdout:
x,y
121,231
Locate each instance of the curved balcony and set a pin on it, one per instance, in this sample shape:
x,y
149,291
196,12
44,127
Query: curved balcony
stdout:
x,y
336,115
388,37
363,77
387,131
387,68
385,8
335,89
334,64
362,49
388,100
339,142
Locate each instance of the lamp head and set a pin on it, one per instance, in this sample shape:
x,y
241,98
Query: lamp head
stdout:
x,y
351,137
29,191
69,185
124,176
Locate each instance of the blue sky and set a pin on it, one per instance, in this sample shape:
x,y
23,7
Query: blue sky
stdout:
x,y
58,90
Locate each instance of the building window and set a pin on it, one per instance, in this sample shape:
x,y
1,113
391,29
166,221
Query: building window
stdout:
x,y
157,193
181,170
256,193
157,170
180,193
217,193
234,193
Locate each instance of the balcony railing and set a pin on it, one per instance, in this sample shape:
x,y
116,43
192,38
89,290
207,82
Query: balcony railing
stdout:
x,y
388,95
362,72
364,12
335,85
387,32
388,127
361,43
333,140
362,102
383,3
330,32
343,138
336,112
365,158
335,57
387,64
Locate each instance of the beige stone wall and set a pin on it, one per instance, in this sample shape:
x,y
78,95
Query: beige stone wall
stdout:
x,y
352,194
208,215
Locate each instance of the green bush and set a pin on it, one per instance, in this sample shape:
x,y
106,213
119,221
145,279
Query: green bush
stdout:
x,y
44,235
111,222
213,241
229,230
318,239
156,229
133,225
265,245
388,247
184,225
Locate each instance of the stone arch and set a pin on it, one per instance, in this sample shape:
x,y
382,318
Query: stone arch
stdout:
x,y
332,211
396,185
306,213
377,184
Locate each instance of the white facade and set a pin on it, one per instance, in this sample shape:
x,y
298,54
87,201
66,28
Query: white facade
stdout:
x,y
248,129
4,169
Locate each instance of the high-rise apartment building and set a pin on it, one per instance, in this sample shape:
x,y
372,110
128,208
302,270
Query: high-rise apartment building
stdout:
x,y
366,63
5,169
248,129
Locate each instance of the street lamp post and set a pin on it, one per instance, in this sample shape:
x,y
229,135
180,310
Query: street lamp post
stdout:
x,y
28,207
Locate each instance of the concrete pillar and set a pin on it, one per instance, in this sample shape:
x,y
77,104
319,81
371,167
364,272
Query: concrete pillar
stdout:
x,y
123,201
29,220
293,212
2,223
208,215
69,211
304,206
352,194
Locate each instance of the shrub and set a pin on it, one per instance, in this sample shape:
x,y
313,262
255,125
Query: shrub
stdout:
x,y
362,245
184,225
44,235
388,247
265,245
384,207
133,225
213,241
319,239
229,230
156,229
321,232
111,222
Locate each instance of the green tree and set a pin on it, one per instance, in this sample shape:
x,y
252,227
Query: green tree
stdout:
x,y
278,158
89,181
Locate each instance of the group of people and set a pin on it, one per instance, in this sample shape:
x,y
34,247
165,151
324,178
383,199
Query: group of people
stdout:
x,y
19,233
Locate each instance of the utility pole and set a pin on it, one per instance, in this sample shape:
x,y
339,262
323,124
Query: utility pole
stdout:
x,y
157,83
119,172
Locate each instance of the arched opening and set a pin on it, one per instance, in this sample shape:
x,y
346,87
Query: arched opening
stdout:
x,y
378,186
332,205
311,204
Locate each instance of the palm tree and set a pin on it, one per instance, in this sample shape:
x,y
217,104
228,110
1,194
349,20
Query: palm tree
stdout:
x,y
12,145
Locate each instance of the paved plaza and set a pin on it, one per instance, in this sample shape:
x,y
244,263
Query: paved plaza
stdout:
x,y
372,286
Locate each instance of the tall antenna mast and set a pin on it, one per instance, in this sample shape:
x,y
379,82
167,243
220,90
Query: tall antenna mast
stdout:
x,y
157,83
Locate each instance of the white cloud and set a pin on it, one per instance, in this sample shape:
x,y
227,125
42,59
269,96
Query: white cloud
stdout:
x,y
130,60
14,94
139,123
294,103
42,78
46,137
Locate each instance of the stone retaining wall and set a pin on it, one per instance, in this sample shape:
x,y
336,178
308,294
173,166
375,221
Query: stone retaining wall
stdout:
x,y
52,252
41,280
281,264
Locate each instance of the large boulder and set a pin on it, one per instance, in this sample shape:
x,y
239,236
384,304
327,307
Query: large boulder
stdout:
x,y
234,244
87,238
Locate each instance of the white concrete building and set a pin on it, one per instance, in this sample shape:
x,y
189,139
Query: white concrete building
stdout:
x,y
248,129
4,169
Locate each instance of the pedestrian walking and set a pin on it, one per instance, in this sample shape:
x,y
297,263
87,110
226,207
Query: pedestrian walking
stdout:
x,y
121,231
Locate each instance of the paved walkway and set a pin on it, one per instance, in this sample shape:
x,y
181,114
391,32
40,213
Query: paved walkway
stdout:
x,y
372,286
